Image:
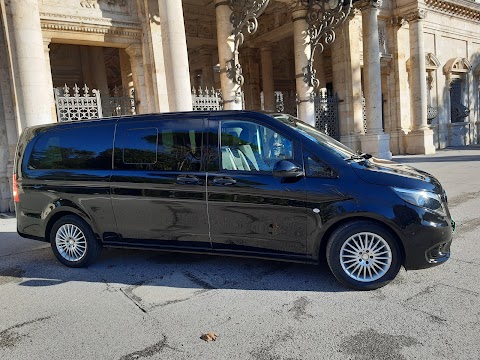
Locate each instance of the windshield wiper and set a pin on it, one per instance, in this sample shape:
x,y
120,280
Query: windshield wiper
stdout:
x,y
360,156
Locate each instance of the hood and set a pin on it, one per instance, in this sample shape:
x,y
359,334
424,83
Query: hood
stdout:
x,y
390,173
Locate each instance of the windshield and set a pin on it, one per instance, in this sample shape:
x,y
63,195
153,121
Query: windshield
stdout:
x,y
315,135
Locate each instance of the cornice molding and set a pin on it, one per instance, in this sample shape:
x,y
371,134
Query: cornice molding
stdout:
x,y
89,20
91,29
460,8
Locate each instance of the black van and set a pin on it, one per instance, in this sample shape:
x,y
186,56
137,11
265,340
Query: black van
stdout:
x,y
233,183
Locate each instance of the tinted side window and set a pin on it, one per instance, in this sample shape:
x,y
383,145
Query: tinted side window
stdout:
x,y
316,168
164,145
88,147
140,146
247,146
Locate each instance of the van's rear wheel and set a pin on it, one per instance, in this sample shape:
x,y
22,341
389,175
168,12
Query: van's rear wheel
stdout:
x,y
73,242
363,255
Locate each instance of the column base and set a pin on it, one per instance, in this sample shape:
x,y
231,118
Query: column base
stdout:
x,y
377,144
398,142
420,142
352,141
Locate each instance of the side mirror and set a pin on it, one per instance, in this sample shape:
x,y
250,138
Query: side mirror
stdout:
x,y
287,169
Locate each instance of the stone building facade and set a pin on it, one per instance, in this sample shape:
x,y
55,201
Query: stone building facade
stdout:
x,y
406,72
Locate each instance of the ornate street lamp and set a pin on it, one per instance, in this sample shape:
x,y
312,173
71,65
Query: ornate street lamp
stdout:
x,y
244,14
323,17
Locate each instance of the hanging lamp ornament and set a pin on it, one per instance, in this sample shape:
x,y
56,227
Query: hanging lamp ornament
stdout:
x,y
323,17
244,14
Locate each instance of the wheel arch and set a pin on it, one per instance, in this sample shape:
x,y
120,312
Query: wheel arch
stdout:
x,y
65,211
323,242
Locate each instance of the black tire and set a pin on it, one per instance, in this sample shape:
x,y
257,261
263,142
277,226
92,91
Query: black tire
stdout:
x,y
363,255
73,242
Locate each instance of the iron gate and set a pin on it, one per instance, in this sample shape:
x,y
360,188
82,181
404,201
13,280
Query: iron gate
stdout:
x,y
326,114
458,110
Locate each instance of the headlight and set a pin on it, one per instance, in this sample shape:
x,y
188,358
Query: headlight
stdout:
x,y
422,198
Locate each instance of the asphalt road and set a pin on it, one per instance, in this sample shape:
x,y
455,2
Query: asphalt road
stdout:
x,y
155,305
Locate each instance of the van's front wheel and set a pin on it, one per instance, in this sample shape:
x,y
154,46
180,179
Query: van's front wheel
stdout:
x,y
363,255
73,242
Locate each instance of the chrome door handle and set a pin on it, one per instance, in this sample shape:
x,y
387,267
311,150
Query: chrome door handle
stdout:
x,y
225,180
188,180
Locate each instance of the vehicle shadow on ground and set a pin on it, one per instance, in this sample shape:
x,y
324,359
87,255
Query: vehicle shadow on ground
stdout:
x,y
134,268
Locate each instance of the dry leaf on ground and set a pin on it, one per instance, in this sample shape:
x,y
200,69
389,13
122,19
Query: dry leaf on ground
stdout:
x,y
210,336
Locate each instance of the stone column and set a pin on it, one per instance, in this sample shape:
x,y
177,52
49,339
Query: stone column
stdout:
x,y
251,88
126,72
267,77
347,81
8,123
301,46
400,101
156,83
135,53
175,55
206,58
420,139
5,185
32,87
226,43
375,141
86,69
48,71
98,70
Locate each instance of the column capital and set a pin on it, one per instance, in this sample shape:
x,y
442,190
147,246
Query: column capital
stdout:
x,y
46,43
299,13
353,13
368,4
134,50
397,21
265,47
416,15
299,5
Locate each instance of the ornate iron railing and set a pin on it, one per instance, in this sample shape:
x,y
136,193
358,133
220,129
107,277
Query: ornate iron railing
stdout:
x,y
76,106
206,100
118,102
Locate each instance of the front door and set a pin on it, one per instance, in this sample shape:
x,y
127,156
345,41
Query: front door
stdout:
x,y
158,182
250,210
